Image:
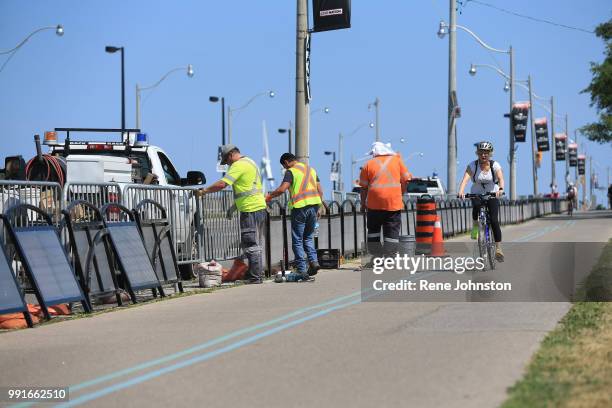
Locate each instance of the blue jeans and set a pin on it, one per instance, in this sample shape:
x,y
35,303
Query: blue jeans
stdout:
x,y
303,222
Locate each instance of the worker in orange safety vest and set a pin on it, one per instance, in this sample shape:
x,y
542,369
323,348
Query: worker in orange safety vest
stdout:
x,y
383,180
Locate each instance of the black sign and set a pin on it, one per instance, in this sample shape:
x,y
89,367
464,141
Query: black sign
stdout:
x,y
520,114
331,14
560,146
572,151
581,165
541,131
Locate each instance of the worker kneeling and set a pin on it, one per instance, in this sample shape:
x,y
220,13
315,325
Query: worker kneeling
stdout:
x,y
306,204
383,181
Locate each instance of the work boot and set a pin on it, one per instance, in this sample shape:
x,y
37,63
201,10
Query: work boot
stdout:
x,y
313,269
499,255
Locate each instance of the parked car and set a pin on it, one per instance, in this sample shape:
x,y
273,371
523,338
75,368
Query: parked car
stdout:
x,y
430,185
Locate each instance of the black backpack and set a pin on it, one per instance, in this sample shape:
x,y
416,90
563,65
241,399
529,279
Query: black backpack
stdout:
x,y
476,167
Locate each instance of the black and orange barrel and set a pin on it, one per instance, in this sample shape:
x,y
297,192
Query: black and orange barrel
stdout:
x,y
425,221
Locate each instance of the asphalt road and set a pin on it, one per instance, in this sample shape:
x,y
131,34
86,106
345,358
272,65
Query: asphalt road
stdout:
x,y
298,345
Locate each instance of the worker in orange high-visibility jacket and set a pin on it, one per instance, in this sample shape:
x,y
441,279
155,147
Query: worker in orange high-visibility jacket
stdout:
x,y
306,204
383,180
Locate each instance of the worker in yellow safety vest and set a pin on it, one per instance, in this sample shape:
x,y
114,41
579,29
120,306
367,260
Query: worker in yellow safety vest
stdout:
x,y
244,177
306,204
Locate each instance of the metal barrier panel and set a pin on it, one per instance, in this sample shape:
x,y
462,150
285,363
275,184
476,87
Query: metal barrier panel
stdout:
x,y
97,194
184,212
337,196
45,195
352,196
220,235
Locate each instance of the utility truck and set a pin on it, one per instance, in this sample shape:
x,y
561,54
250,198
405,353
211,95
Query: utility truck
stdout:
x,y
83,166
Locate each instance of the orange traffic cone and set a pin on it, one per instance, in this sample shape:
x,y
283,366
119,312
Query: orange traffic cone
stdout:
x,y
437,242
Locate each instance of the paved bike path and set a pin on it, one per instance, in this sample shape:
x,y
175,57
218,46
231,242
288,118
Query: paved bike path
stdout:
x,y
295,345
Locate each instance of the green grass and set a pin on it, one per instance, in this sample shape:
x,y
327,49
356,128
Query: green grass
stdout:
x,y
573,366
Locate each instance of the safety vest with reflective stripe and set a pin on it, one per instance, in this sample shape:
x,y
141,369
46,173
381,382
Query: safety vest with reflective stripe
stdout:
x,y
382,176
245,179
304,189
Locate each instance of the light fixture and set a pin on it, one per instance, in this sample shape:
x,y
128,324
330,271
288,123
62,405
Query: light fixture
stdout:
x,y
326,110
472,69
190,70
443,30
506,86
59,30
371,125
271,94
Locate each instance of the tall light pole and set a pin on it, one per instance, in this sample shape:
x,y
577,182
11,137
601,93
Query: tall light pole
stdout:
x,y
230,111
215,99
188,68
288,131
533,140
59,31
112,50
333,166
341,147
508,86
302,102
451,30
376,104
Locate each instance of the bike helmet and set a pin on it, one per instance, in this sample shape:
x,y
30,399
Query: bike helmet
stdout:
x,y
485,146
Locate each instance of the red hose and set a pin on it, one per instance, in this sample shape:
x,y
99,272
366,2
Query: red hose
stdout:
x,y
54,168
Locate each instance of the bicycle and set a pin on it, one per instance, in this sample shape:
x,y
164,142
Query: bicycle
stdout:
x,y
486,243
570,207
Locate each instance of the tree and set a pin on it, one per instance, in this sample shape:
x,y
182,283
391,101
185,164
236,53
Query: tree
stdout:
x,y
601,90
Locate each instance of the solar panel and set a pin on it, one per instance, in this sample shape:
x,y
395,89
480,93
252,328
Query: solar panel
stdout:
x,y
10,296
45,257
99,263
132,255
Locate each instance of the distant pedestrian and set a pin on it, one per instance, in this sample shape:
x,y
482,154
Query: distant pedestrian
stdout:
x,y
306,202
244,177
610,197
383,180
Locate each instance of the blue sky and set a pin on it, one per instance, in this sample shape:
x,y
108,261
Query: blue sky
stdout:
x,y
241,48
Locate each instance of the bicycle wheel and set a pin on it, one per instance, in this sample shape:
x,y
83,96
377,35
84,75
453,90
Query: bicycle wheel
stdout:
x,y
490,248
482,245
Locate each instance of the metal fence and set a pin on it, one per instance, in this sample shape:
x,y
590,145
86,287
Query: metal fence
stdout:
x,y
202,231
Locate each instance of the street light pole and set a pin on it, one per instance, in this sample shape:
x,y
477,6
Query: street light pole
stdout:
x,y
553,149
230,112
59,31
376,104
302,107
215,99
112,50
189,69
567,171
451,172
511,133
533,140
288,131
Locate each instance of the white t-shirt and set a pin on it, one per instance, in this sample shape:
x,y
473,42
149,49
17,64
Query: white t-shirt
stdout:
x,y
484,179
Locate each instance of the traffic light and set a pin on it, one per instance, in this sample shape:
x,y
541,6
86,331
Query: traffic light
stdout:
x,y
520,114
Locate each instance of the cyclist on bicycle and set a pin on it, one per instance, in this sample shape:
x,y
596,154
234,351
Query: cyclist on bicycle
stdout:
x,y
571,197
487,177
